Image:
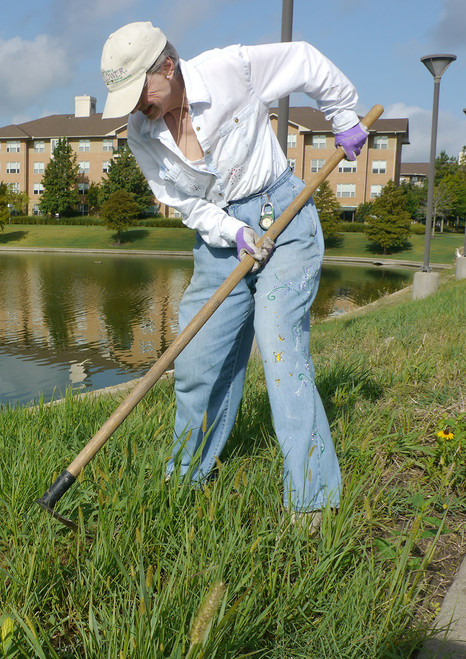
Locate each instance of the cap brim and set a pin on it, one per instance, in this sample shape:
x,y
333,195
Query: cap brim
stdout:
x,y
121,102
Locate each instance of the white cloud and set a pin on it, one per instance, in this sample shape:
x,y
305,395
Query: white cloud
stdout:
x,y
29,69
450,131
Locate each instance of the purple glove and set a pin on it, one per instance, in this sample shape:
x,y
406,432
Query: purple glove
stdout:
x,y
246,243
352,140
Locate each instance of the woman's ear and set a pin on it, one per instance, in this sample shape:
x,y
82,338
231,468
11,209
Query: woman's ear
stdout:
x,y
168,68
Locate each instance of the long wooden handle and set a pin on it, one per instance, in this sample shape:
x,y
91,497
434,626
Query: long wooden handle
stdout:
x,y
182,340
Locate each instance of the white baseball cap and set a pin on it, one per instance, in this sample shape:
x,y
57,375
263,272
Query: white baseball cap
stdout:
x,y
127,55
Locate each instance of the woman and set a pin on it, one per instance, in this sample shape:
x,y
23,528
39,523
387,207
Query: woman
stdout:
x,y
201,133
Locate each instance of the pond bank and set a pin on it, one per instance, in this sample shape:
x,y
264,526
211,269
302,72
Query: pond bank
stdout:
x,y
350,260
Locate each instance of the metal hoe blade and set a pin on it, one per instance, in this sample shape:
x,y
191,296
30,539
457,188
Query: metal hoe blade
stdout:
x,y
54,493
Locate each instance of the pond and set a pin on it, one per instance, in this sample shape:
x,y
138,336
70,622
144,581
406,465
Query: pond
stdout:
x,y
92,321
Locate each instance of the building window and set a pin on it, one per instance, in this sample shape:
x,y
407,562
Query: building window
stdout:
x,y
107,145
347,167
84,166
39,146
84,145
83,188
36,210
381,142
14,187
12,168
379,166
53,144
317,164
39,167
319,142
346,190
291,163
376,190
291,143
83,209
13,146
38,188
105,166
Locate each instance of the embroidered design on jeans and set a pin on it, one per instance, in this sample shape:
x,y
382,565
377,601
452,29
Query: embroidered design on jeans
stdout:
x,y
304,287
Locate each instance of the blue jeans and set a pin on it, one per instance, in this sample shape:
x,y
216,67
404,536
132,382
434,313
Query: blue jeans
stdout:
x,y
275,304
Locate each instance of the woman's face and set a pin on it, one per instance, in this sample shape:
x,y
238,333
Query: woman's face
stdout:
x,y
157,97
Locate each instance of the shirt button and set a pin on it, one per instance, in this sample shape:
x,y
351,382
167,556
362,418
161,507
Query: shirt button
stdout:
x,y
236,120
207,153
198,128
220,194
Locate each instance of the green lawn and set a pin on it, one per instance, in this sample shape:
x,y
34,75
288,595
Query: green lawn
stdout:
x,y
157,238
365,587
95,237
442,248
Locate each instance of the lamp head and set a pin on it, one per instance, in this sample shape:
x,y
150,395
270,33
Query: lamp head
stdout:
x,y
437,64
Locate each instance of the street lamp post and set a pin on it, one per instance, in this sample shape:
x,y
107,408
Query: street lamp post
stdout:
x,y
461,260
425,281
284,103
464,246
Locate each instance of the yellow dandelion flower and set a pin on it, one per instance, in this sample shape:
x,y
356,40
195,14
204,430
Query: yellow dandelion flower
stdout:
x,y
446,433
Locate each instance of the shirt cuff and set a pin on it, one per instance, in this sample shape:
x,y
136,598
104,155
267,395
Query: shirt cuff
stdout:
x,y
229,227
344,120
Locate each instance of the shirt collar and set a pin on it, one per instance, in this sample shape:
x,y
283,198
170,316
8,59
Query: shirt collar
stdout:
x,y
196,92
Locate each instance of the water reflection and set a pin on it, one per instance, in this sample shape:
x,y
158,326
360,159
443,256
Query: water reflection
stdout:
x,y
92,321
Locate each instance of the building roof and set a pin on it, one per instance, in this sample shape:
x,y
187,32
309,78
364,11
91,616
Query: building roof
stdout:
x,y
414,169
65,125
310,119
307,119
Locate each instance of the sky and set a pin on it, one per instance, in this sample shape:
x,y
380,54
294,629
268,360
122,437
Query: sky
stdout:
x,y
50,52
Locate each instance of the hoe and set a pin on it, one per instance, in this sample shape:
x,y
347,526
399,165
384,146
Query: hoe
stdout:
x,y
66,479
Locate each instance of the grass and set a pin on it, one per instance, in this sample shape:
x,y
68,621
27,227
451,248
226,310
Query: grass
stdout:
x,y
95,237
150,238
180,572
442,248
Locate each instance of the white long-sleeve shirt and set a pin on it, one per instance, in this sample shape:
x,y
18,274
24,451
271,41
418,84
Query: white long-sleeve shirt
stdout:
x,y
229,92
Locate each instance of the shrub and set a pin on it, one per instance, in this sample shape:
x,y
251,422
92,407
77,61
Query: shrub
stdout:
x,y
351,227
417,229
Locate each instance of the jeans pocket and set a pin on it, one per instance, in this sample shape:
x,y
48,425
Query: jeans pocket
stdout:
x,y
306,219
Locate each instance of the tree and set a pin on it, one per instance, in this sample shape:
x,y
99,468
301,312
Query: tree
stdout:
x,y
329,211
124,174
93,197
18,201
415,198
10,199
119,211
60,181
363,211
4,212
444,201
389,223
444,165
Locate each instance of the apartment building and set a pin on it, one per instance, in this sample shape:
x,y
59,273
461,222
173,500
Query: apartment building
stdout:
x,y
25,150
311,142
414,172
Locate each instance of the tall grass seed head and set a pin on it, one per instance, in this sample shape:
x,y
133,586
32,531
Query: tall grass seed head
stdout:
x,y
206,612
